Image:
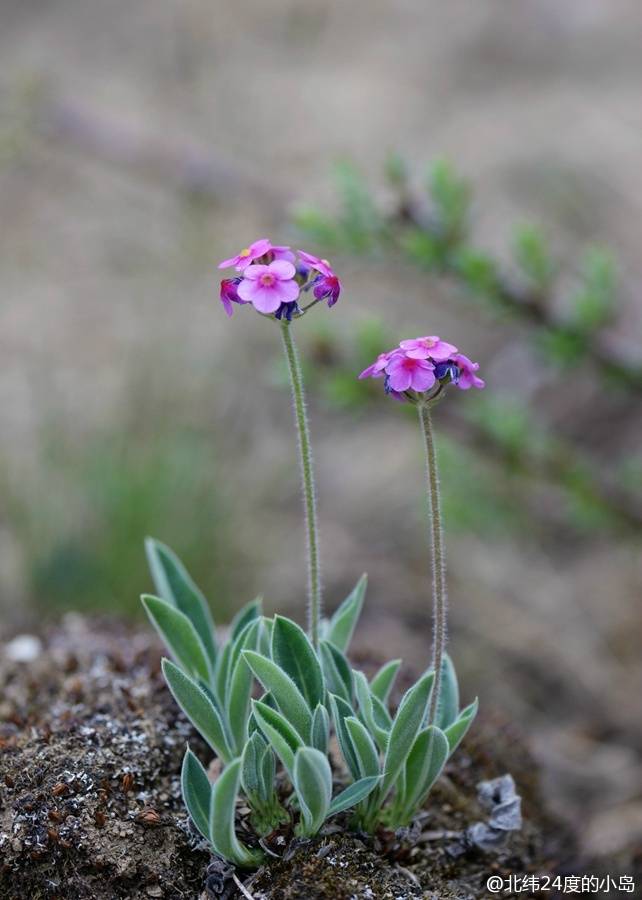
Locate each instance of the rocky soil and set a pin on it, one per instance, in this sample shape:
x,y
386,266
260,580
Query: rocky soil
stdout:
x,y
91,744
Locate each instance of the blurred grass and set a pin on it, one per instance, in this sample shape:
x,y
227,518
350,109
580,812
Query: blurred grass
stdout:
x,y
81,517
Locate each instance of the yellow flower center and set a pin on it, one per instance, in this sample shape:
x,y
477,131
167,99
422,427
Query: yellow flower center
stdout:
x,y
245,252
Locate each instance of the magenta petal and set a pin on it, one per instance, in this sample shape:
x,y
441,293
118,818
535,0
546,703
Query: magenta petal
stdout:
x,y
266,300
246,290
228,263
443,351
282,269
417,352
287,291
254,272
422,379
400,379
260,247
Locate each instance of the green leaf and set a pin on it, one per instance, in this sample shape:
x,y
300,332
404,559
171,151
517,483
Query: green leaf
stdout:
x,y
265,636
239,688
196,790
251,772
320,734
247,613
353,794
175,586
293,652
289,698
268,771
364,747
198,708
340,712
313,785
381,684
179,635
456,732
278,732
424,765
222,673
222,818
337,671
343,622
448,704
381,715
405,727
367,710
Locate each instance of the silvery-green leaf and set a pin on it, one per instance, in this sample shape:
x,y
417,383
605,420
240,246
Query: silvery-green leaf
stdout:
x,y
251,771
448,703
240,686
342,624
423,767
198,708
288,697
456,732
293,652
364,748
247,613
179,635
354,794
222,819
367,710
278,732
313,786
222,673
382,682
268,772
337,671
175,586
320,734
246,639
265,636
405,728
381,715
340,712
196,790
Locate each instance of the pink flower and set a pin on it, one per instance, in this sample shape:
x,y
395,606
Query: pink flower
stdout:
x,y
408,368
428,348
326,284
377,367
229,294
283,252
467,369
267,287
315,262
243,259
406,373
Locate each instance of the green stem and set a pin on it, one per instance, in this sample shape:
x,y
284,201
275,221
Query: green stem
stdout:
x,y
437,558
307,474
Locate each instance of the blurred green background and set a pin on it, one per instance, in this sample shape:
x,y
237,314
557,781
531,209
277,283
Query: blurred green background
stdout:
x,y
141,143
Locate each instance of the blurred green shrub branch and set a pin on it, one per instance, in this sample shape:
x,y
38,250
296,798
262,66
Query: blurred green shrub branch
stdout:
x,y
564,320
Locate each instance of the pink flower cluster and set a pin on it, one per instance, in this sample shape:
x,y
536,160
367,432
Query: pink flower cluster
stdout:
x,y
272,279
421,363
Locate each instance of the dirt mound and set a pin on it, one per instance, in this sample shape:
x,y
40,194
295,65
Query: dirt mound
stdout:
x,y
90,805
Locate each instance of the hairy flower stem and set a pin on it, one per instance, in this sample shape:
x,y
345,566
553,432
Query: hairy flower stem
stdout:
x,y
438,557
307,475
